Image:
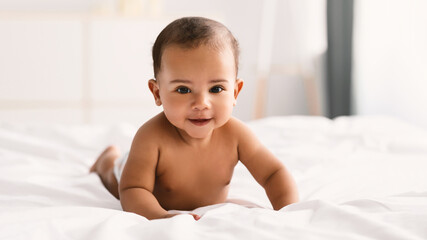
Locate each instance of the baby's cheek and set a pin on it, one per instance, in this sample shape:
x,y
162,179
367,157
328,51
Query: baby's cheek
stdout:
x,y
224,113
172,114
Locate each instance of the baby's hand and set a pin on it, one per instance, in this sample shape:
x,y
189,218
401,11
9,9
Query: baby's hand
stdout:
x,y
195,216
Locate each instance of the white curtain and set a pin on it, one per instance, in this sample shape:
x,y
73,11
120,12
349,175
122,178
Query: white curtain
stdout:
x,y
291,55
390,59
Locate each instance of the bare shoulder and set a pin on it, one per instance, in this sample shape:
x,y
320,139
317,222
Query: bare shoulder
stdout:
x,y
239,129
154,130
235,125
246,141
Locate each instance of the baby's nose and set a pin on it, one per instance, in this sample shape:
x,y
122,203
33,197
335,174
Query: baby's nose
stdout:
x,y
201,102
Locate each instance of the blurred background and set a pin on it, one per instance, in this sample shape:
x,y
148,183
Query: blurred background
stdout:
x,y
88,61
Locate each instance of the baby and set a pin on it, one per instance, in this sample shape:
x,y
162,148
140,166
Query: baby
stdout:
x,y
184,157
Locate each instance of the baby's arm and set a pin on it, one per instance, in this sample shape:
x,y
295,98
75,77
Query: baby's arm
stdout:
x,y
267,170
138,178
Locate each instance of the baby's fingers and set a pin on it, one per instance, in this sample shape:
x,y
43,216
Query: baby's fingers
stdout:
x,y
195,216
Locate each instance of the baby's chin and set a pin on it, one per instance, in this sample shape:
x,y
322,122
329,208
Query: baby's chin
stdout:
x,y
199,134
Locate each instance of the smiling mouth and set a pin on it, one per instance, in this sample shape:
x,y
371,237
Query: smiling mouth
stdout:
x,y
200,122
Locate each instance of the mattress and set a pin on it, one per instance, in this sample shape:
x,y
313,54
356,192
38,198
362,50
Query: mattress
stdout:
x,y
358,178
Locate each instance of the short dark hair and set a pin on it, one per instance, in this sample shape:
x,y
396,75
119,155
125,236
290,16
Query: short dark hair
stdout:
x,y
191,32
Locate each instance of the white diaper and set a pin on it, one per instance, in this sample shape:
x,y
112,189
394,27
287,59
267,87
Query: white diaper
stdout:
x,y
119,164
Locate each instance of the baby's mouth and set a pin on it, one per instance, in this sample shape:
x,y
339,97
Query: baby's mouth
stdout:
x,y
200,121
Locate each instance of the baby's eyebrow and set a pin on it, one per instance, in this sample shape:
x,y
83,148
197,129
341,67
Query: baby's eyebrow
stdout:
x,y
218,81
188,81
180,81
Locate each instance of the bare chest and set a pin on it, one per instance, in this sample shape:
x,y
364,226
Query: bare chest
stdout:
x,y
187,178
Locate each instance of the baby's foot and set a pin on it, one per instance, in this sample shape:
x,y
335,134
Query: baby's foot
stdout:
x,y
105,160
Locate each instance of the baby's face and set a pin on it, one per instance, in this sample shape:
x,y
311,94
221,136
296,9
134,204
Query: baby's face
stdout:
x,y
197,88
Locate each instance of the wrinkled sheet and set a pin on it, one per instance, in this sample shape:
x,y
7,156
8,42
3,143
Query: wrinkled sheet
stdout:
x,y
358,177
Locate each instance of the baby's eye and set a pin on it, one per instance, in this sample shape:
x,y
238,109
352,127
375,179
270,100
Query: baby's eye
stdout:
x,y
183,90
216,89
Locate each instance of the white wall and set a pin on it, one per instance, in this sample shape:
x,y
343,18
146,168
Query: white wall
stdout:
x,y
390,63
83,61
76,68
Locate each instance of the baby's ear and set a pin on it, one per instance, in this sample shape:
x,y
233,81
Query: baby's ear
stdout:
x,y
154,88
237,88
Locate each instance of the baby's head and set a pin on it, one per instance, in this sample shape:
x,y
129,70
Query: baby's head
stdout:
x,y
195,66
190,33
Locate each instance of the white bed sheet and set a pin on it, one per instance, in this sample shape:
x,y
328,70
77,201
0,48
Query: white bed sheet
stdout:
x,y
358,177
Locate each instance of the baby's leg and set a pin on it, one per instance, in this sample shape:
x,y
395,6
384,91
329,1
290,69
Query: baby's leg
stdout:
x,y
104,166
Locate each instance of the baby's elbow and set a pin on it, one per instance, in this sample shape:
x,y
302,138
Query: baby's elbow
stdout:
x,y
272,177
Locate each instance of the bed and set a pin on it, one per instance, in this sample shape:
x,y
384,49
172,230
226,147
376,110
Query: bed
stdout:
x,y
358,177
